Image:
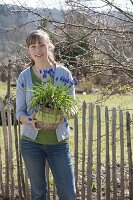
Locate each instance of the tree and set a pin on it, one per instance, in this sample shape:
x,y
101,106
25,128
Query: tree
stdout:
x,y
111,37
96,44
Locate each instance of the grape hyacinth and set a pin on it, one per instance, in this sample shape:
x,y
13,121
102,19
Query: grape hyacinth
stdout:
x,y
56,94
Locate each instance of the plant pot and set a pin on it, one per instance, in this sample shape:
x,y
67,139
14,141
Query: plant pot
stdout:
x,y
47,118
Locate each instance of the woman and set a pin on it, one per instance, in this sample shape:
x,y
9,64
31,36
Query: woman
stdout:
x,y
38,145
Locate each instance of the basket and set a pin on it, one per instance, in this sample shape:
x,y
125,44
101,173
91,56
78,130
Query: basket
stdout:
x,y
47,118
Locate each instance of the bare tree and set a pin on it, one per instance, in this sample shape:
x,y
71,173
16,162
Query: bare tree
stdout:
x,y
94,42
111,37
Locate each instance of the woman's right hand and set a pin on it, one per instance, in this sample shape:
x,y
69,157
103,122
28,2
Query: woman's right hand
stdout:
x,y
28,120
33,122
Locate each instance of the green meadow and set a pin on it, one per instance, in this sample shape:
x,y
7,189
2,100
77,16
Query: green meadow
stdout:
x,y
123,102
118,101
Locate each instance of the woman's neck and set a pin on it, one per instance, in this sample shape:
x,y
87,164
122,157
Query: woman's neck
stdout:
x,y
42,65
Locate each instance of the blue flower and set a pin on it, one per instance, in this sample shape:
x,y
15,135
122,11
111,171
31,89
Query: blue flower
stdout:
x,y
65,119
61,78
75,81
30,119
64,81
22,85
57,78
51,72
35,110
71,83
44,75
67,80
67,124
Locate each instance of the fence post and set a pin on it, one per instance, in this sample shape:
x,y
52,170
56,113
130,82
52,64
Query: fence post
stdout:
x,y
114,154
6,186
121,154
9,80
83,148
11,170
54,190
128,123
1,181
76,150
17,155
90,154
5,135
27,194
47,169
107,154
98,152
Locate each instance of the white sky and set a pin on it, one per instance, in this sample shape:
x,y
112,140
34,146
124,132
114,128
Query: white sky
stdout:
x,y
124,4
35,3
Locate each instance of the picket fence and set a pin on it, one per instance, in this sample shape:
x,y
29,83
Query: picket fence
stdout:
x,y
101,152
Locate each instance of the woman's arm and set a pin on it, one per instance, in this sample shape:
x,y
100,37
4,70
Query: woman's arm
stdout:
x,y
73,112
21,107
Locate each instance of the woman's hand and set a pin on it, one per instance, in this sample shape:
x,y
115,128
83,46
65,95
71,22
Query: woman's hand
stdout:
x,y
70,115
33,122
28,120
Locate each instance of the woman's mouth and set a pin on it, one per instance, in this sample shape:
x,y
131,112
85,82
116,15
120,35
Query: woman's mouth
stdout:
x,y
39,55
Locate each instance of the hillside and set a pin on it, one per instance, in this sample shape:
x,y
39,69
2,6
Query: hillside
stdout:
x,y
12,18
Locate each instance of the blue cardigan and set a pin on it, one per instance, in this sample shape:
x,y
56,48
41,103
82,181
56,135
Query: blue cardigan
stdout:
x,y
23,103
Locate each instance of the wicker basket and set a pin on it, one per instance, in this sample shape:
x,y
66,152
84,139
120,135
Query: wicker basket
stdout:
x,y
47,119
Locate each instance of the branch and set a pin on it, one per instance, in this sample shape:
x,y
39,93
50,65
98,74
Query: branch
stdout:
x,y
131,2
128,15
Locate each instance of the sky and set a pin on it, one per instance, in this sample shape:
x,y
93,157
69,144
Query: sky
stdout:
x,y
124,4
36,3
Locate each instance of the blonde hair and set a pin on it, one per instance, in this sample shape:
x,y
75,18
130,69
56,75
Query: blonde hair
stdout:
x,y
38,35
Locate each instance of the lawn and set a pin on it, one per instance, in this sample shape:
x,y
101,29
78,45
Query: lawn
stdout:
x,y
123,102
118,101
3,89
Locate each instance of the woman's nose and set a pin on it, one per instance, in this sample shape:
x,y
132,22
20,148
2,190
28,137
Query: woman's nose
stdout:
x,y
38,48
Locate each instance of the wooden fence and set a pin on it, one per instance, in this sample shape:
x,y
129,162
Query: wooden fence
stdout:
x,y
101,151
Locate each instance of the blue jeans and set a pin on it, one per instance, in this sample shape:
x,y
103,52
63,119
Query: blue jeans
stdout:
x,y
59,159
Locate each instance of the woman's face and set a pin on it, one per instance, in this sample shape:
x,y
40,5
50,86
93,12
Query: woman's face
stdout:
x,y
39,51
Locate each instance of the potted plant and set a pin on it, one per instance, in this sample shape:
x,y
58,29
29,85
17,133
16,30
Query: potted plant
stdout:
x,y
52,101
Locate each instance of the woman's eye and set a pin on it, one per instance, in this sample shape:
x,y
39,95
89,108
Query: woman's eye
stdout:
x,y
42,45
33,46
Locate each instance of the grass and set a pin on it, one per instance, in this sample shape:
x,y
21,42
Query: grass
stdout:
x,y
123,102
3,89
118,101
